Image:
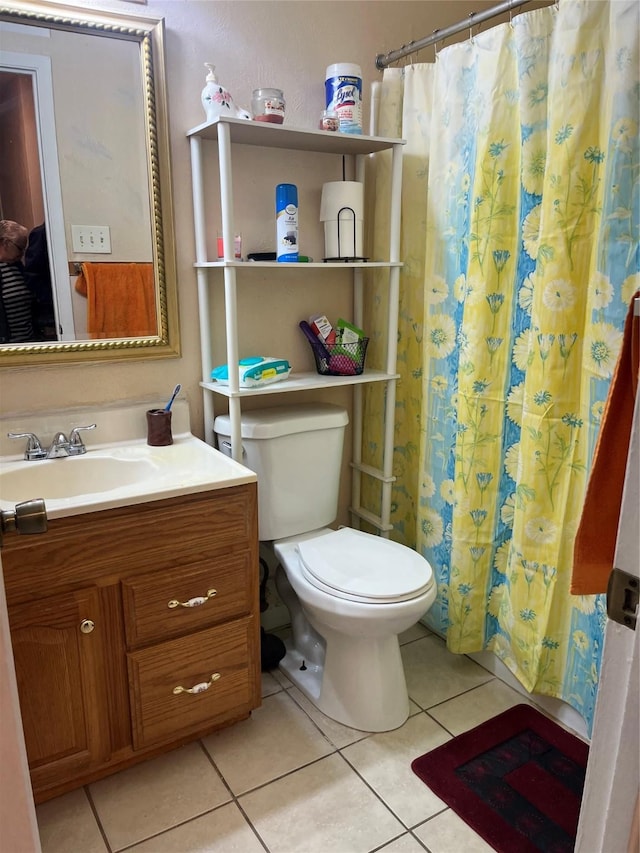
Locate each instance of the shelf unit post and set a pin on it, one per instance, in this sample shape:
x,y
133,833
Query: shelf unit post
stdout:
x,y
385,475
197,186
358,395
392,339
230,296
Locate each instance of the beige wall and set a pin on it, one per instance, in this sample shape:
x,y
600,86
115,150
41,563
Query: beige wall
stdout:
x,y
101,142
286,44
283,43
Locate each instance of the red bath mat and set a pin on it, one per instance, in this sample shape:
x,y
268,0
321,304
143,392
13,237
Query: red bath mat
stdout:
x,y
517,780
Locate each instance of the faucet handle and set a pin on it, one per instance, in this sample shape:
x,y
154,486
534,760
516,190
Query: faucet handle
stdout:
x,y
33,449
76,444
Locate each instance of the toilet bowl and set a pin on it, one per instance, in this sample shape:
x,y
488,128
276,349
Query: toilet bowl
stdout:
x,y
350,594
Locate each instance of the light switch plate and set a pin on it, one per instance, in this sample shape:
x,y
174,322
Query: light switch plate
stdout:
x,y
93,239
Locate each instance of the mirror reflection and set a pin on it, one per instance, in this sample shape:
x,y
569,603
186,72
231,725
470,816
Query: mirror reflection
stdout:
x,y
26,297
83,236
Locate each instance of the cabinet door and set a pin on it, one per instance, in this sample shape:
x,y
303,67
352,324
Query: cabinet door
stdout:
x,y
60,672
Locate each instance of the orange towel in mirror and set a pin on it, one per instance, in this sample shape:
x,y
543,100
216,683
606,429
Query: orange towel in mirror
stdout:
x,y
121,300
595,544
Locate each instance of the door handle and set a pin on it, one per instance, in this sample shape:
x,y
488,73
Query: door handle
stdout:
x,y
28,517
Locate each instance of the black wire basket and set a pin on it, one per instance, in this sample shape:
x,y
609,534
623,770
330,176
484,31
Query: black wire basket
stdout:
x,y
340,359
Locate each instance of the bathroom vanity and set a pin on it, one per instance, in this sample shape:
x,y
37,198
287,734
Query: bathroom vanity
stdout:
x,y
135,628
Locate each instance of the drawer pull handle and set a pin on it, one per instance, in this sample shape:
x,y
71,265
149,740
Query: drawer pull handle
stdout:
x,y
197,688
193,602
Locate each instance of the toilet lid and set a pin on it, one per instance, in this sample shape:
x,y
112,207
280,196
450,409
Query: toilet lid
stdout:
x,y
352,564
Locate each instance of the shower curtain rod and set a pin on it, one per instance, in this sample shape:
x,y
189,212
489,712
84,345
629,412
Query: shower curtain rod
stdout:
x,y
384,59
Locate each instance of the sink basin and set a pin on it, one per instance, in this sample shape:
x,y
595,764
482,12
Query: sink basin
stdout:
x,y
119,475
75,476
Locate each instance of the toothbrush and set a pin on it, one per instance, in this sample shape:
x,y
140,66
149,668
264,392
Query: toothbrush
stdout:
x,y
176,390
315,342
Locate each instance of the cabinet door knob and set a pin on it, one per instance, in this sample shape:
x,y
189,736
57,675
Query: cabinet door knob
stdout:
x,y
192,602
197,688
87,626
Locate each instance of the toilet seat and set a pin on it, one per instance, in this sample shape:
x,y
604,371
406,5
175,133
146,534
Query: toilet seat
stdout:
x,y
359,566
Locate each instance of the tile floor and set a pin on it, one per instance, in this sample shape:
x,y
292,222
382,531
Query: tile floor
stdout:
x,y
290,780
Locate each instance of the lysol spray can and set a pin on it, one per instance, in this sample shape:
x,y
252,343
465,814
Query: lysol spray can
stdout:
x,y
287,223
343,87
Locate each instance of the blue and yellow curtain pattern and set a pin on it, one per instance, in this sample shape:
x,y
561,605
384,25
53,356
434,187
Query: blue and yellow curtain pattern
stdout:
x,y
521,246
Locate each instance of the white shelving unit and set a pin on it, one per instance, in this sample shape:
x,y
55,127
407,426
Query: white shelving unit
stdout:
x,y
227,132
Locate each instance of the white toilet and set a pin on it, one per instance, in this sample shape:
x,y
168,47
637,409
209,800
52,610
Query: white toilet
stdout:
x,y
349,593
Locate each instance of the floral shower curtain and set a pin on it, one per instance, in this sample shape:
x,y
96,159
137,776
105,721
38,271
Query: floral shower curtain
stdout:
x,y
520,241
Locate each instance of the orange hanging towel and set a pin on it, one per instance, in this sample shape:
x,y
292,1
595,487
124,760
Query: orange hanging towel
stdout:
x,y
121,300
598,530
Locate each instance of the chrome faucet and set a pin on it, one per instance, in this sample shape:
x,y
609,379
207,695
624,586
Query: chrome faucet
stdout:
x,y
60,447
76,444
34,449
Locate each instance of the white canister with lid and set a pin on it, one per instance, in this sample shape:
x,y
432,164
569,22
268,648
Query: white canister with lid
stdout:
x,y
343,87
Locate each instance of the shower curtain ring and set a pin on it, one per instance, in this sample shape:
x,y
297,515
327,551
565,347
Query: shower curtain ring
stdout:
x,y
471,17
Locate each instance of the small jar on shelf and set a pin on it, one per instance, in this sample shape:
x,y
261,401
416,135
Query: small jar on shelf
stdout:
x,y
329,120
268,105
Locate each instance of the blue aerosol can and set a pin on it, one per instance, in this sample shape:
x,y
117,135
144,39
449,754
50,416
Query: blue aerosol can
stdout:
x,y
287,223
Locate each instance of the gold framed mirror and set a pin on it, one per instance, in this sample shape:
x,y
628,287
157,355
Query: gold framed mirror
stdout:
x,y
84,160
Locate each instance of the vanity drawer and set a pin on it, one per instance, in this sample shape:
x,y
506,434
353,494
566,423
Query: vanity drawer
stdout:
x,y
165,604
159,714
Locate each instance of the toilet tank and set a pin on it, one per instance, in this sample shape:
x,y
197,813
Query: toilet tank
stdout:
x,y
296,451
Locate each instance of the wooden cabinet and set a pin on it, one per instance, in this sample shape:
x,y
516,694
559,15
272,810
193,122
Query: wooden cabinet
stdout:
x,y
112,612
59,652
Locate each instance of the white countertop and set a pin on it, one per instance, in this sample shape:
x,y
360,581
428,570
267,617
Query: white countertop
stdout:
x,y
113,473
